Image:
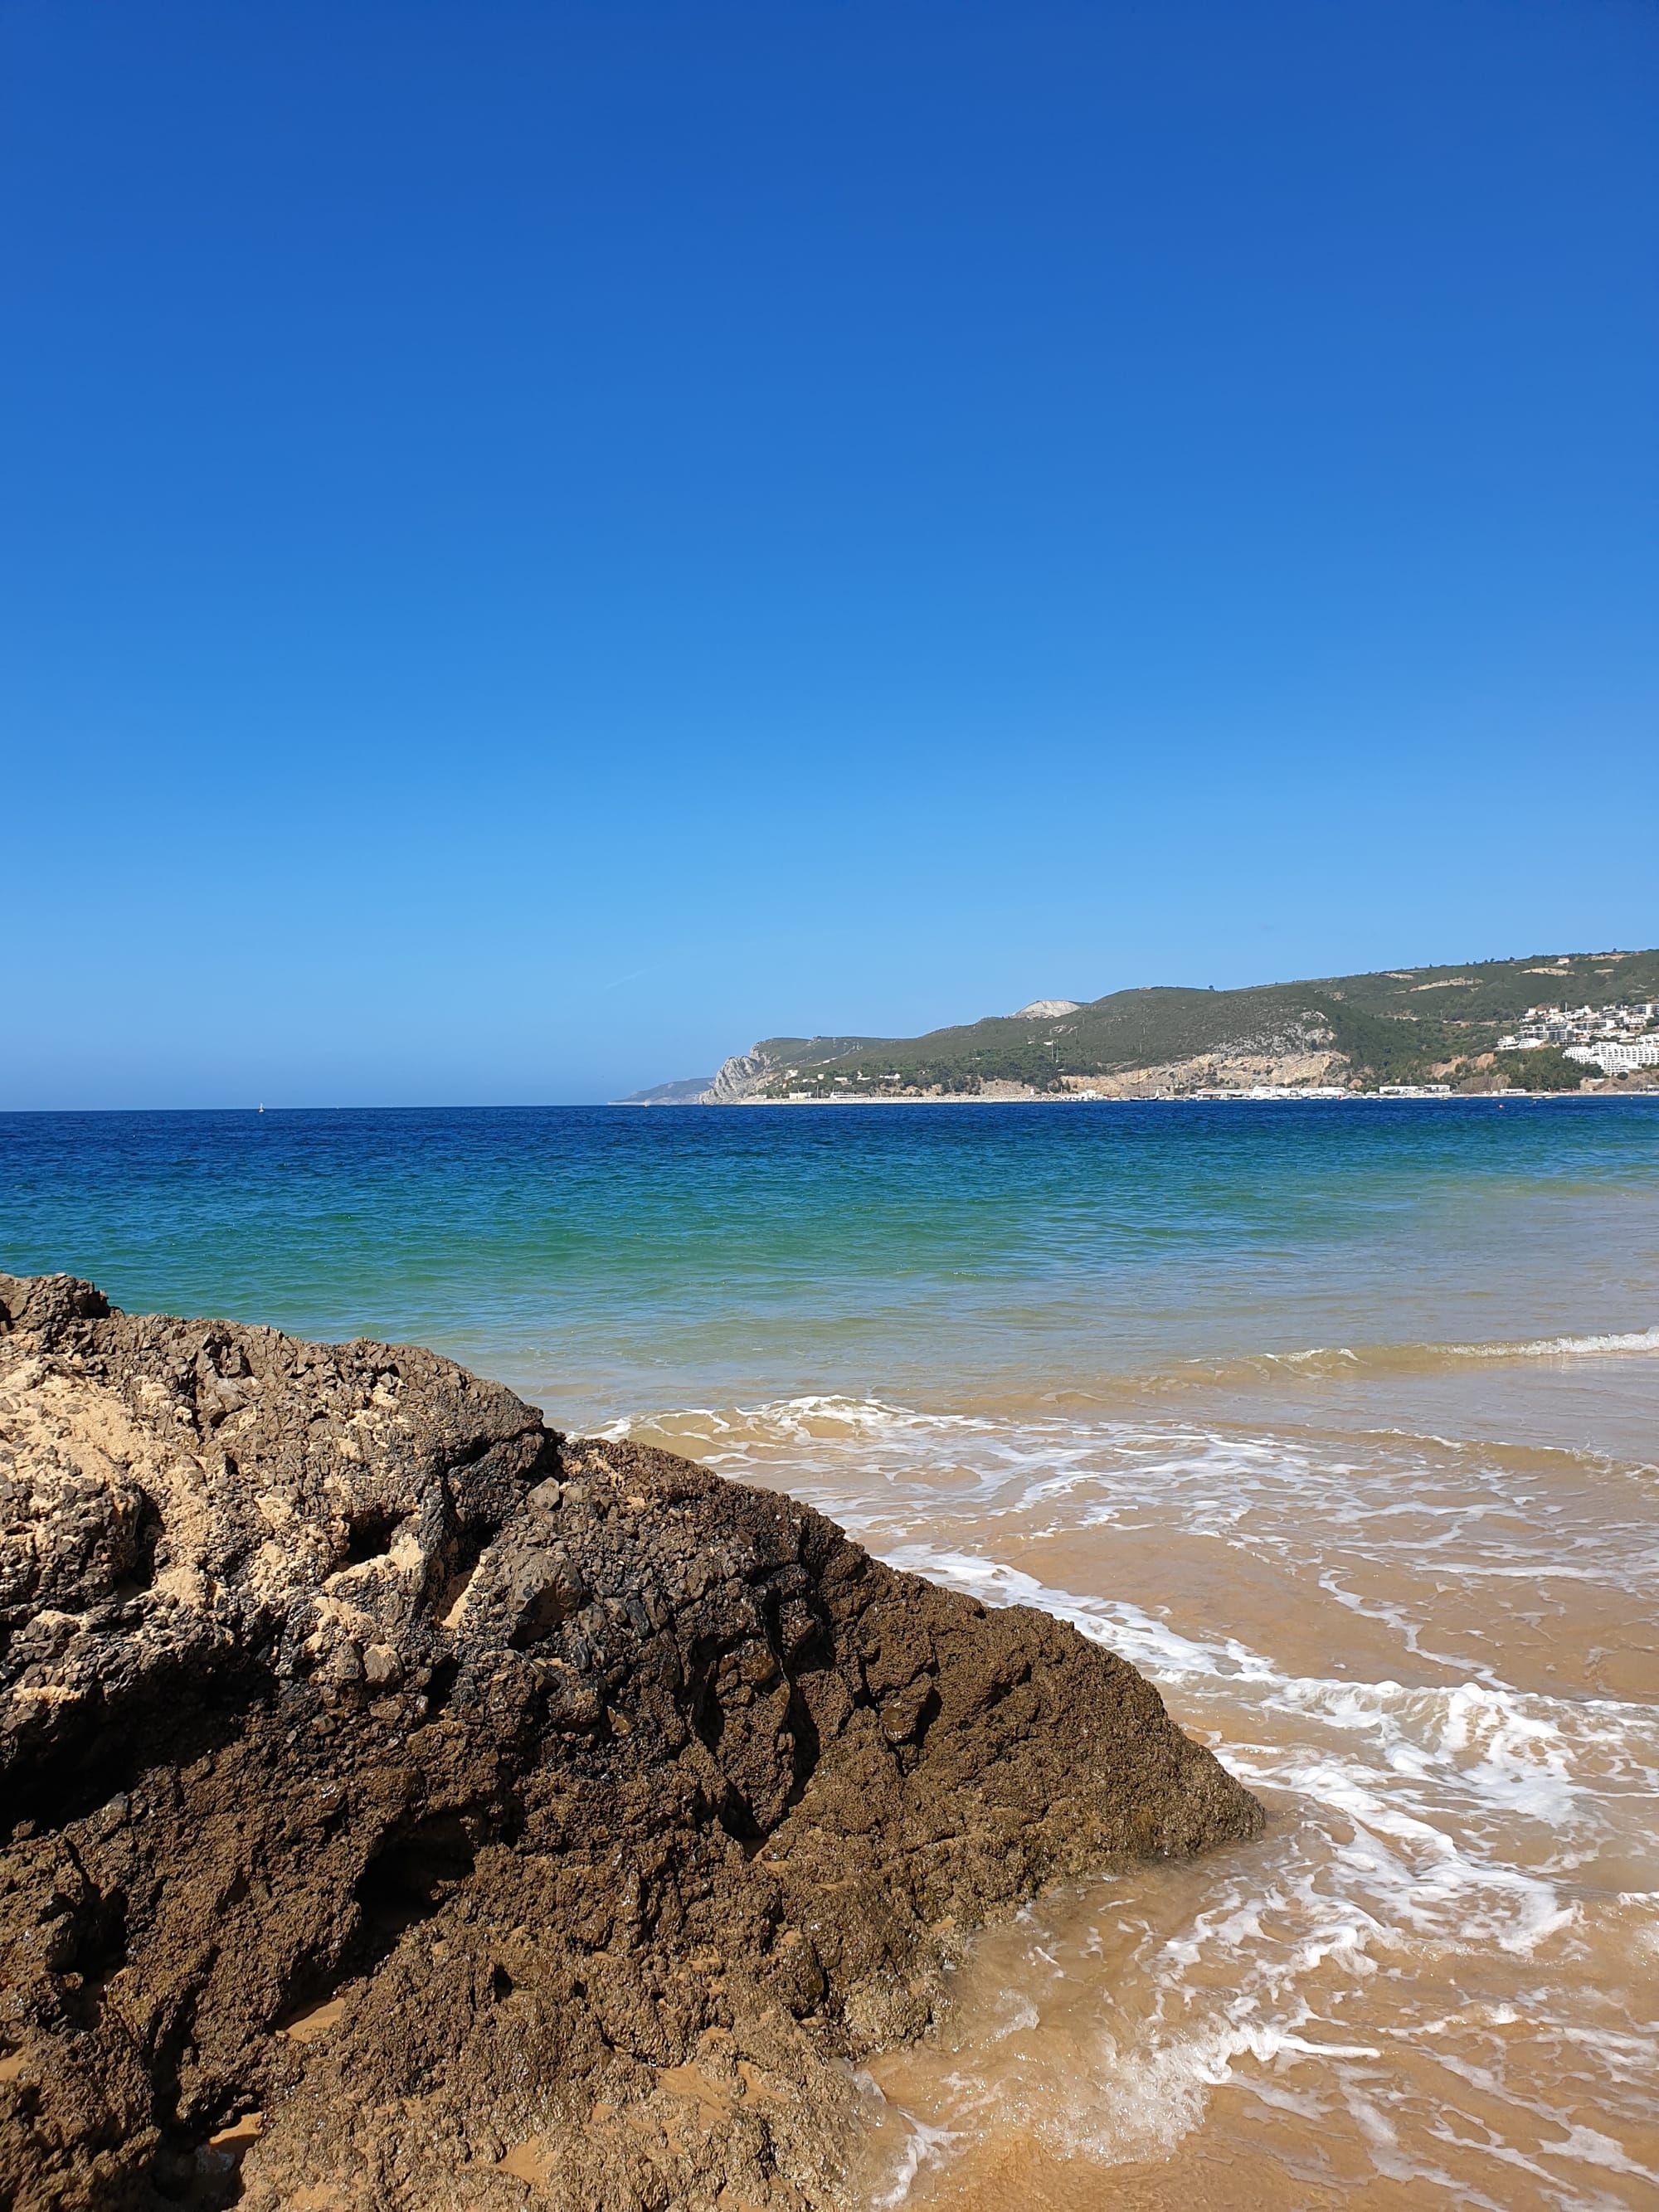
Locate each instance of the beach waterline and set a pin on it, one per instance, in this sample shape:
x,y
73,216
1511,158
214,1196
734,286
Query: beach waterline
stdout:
x,y
1433,1658
1339,1423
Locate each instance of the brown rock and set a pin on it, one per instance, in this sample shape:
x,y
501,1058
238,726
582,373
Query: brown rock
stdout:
x,y
412,1807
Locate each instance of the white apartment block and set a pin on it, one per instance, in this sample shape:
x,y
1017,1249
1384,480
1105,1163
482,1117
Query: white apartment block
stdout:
x,y
1617,1059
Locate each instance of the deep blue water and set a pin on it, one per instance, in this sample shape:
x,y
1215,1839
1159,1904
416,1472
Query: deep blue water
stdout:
x,y
605,1259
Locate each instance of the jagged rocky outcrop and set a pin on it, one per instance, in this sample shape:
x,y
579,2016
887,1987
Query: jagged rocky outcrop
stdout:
x,y
739,1076
409,1806
746,1074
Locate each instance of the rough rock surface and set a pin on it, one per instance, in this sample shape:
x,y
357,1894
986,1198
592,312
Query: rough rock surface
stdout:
x,y
409,1806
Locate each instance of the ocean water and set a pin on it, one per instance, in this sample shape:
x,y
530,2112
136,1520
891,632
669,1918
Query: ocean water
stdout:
x,y
1339,1420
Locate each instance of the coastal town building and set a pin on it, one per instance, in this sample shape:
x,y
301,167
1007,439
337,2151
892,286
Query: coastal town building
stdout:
x,y
1571,1026
1617,1059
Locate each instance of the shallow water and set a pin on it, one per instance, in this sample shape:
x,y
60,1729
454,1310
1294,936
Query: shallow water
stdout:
x,y
1339,1422
1435,1663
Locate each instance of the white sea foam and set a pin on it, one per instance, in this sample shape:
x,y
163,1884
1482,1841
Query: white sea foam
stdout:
x,y
919,2144
1320,1357
1417,1822
1559,1347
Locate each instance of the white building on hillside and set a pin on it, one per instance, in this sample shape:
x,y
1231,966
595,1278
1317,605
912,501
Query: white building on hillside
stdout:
x,y
1617,1059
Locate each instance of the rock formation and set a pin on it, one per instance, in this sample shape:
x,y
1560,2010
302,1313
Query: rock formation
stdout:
x,y
745,1074
409,1806
740,1076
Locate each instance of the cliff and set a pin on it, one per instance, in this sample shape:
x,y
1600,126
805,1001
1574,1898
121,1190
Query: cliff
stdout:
x,y
412,1807
745,1074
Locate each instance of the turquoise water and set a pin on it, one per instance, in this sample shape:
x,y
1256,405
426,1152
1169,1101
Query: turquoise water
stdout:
x,y
1339,1420
606,1261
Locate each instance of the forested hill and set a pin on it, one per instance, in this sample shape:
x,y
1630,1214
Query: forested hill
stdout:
x,y
1397,1026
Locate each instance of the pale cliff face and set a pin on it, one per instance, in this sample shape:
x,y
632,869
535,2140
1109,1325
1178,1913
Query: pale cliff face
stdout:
x,y
739,1078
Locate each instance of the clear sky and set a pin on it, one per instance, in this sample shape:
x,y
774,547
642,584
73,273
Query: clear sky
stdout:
x,y
541,542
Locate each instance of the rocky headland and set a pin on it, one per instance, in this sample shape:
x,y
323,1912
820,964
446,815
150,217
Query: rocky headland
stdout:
x,y
1398,1025
410,1807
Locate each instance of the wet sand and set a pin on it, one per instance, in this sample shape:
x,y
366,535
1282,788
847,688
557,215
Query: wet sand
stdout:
x,y
1428,1646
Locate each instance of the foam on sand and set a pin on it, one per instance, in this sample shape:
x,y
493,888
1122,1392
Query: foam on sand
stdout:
x,y
1437,1969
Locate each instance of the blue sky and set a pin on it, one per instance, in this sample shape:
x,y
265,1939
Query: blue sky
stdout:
x,y
544,542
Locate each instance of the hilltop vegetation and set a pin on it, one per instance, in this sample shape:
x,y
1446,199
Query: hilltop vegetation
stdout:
x,y
1396,1026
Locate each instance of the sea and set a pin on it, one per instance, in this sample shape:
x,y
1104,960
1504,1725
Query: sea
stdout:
x,y
1339,1420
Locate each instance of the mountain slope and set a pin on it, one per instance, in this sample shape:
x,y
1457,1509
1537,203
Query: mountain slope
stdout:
x,y
687,1092
1395,1025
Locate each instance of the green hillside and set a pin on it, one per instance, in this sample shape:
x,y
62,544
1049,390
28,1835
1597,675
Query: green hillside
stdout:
x,y
1388,1028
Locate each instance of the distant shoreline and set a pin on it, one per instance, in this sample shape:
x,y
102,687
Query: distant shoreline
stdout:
x,y
1167,1098
1319,1037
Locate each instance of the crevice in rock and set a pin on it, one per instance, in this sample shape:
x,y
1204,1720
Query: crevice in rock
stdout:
x,y
456,1560
368,1536
99,1953
177,1721
441,1687
412,1876
203,2172
808,1748
146,1546
927,1713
